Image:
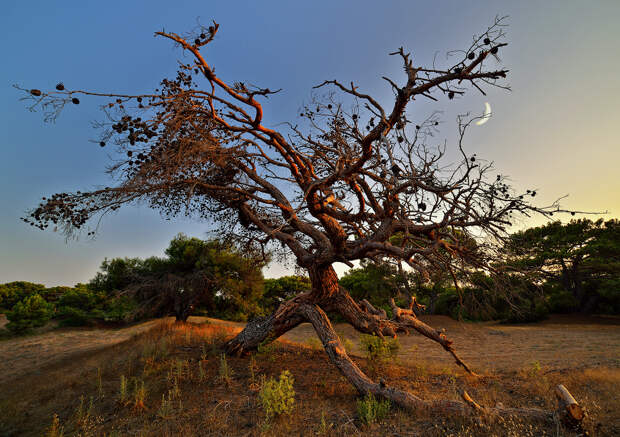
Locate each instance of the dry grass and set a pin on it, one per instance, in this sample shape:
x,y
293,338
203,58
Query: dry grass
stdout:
x,y
185,394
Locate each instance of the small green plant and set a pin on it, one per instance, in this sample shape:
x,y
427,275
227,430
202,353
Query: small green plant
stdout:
x,y
314,343
535,368
182,370
84,416
253,367
370,410
166,409
225,372
32,312
348,344
175,390
55,429
277,397
379,350
123,395
201,372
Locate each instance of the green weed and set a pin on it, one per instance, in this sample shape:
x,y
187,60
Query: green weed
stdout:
x,y
277,397
225,372
370,410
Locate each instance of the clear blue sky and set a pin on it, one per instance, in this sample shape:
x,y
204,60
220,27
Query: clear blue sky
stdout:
x,y
556,131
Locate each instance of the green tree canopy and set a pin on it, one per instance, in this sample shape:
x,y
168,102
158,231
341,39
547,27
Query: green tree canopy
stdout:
x,y
211,274
280,289
581,257
14,292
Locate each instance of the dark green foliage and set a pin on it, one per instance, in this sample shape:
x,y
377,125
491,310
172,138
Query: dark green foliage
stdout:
x,y
211,275
375,283
278,290
116,274
581,257
227,282
32,312
14,292
379,350
80,306
119,309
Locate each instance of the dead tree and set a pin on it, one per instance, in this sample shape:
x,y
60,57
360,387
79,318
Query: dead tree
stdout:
x,y
336,186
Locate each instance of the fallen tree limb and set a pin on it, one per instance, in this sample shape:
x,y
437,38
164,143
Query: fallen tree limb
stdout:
x,y
568,407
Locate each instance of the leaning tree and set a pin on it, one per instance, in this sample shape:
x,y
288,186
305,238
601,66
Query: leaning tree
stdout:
x,y
353,178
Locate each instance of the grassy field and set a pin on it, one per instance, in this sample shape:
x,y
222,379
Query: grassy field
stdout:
x,y
177,383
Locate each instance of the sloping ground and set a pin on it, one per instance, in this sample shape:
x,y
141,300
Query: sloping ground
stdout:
x,y
192,390
34,353
561,342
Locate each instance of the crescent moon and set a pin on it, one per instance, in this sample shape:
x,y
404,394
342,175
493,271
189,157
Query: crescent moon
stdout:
x,y
486,115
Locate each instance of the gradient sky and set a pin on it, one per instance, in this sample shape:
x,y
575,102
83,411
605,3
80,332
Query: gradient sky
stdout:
x,y
557,131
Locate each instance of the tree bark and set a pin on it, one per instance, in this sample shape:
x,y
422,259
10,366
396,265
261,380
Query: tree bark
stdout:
x,y
338,356
324,285
307,307
324,282
370,321
267,329
568,406
327,293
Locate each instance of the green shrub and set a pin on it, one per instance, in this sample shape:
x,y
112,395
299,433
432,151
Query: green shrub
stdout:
x,y
13,292
79,306
379,350
119,309
71,316
370,410
278,397
30,313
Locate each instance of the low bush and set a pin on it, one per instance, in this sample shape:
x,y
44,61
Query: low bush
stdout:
x,y
370,410
379,350
277,397
13,292
30,313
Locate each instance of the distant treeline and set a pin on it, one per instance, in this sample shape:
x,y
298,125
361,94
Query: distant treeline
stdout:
x,y
555,268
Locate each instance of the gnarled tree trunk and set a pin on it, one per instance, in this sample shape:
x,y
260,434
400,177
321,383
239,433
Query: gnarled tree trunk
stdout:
x,y
329,296
286,316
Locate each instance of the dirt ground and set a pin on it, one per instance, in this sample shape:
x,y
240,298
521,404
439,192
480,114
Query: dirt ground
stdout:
x,y
71,380
34,353
561,342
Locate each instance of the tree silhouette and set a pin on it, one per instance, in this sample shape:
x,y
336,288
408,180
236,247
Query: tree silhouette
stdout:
x,y
333,187
582,257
